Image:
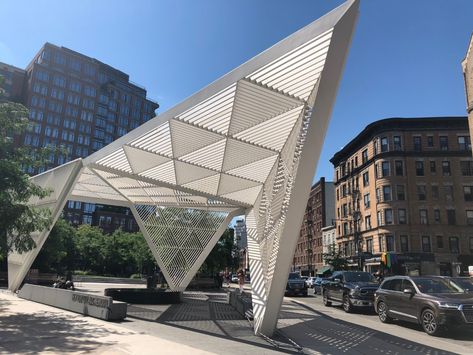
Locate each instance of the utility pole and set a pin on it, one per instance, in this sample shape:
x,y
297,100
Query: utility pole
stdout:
x,y
309,239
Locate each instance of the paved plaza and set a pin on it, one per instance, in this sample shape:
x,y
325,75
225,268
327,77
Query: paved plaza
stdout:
x,y
205,323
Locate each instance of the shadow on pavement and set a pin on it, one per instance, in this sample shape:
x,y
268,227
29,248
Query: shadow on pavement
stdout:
x,y
37,332
211,315
326,335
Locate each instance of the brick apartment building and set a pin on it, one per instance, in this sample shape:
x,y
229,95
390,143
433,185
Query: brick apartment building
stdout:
x,y
82,104
405,185
319,213
467,66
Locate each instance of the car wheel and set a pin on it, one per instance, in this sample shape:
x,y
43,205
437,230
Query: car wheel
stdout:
x,y
327,303
347,306
429,322
383,313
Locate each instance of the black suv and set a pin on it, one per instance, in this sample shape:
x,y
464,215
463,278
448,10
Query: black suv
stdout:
x,y
295,285
433,302
351,288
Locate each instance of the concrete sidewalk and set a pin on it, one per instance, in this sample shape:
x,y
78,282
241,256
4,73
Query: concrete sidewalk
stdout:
x,y
31,328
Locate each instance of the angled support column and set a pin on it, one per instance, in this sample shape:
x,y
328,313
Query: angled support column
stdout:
x,y
275,223
61,181
181,238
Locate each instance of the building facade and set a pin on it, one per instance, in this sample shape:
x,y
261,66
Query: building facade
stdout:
x,y
404,186
82,104
467,67
319,213
13,82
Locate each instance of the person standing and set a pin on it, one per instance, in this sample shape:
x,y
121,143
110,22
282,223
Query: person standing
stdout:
x,y
241,279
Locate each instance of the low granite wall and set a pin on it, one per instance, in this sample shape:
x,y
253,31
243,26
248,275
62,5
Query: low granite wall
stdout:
x,y
101,307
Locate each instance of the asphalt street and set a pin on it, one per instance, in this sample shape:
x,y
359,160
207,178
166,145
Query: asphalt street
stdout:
x,y
361,331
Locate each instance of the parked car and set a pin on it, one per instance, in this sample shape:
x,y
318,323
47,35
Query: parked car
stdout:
x,y
318,285
310,282
350,288
432,301
295,285
466,283
234,278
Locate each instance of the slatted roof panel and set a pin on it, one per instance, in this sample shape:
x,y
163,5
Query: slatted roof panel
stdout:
x,y
223,142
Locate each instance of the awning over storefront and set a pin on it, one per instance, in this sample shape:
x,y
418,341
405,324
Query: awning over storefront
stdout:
x,y
325,270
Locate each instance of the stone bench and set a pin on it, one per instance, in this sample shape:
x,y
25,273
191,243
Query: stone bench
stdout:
x,y
242,304
102,307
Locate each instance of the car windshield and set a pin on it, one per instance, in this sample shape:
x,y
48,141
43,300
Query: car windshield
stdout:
x,y
294,276
434,285
359,277
464,283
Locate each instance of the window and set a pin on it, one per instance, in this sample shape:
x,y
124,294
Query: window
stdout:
x,y
426,248
400,193
443,141
421,192
367,222
451,218
402,219
364,156
384,144
454,245
417,142
446,168
466,168
424,219
379,218
437,215
404,243
471,244
381,243
439,242
435,192
369,245
468,193
344,190
366,179
345,228
449,193
430,141
389,243
386,193
89,91
42,75
469,217
399,167
378,195
433,167
385,168
366,200
59,58
344,210
419,168
87,219
464,143
388,216
397,143
59,80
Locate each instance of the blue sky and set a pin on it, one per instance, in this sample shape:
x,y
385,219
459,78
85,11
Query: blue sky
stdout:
x,y
404,60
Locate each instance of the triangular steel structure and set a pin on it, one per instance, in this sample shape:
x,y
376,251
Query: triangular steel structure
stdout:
x,y
246,144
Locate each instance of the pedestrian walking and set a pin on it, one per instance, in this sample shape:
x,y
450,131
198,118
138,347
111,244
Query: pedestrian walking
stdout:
x,y
241,279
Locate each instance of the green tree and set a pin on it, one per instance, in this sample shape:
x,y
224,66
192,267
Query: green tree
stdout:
x,y
335,259
59,251
17,219
90,244
222,255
